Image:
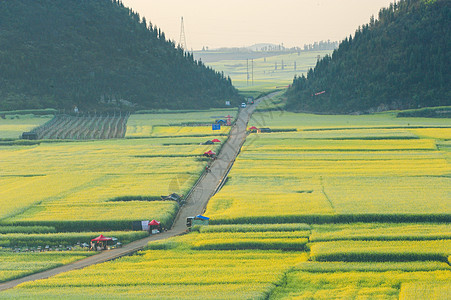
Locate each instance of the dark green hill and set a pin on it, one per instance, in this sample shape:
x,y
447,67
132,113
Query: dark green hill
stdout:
x,y
93,53
401,60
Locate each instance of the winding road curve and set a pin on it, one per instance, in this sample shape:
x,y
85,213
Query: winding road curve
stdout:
x,y
195,204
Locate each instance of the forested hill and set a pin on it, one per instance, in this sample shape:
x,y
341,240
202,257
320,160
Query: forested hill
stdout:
x,y
400,60
97,54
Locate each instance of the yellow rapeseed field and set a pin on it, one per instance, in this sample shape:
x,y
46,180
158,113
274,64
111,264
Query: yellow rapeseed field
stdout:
x,y
285,175
434,133
380,231
171,274
187,130
70,181
374,191
419,290
13,265
360,285
434,250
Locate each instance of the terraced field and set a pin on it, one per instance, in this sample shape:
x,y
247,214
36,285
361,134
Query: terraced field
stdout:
x,y
62,193
344,207
360,172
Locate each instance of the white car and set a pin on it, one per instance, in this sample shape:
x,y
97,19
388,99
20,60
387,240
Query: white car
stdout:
x,y
243,105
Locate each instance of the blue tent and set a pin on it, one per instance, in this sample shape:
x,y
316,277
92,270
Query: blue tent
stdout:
x,y
202,217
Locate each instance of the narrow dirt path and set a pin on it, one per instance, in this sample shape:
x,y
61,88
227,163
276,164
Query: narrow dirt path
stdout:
x,y
195,204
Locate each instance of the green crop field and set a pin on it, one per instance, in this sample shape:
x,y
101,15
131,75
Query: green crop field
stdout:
x,y
269,73
323,207
177,123
12,126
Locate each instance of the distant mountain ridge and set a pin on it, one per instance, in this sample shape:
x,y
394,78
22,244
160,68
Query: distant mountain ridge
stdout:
x,y
97,54
399,61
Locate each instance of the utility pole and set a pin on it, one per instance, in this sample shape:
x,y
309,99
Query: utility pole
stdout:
x,y
247,71
182,41
252,71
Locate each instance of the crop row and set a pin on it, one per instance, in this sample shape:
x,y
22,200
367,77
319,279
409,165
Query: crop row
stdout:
x,y
373,266
370,251
380,232
336,218
254,227
83,127
262,244
27,229
100,216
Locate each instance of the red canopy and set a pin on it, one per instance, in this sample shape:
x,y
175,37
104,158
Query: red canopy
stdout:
x,y
216,141
209,152
253,128
154,223
229,116
101,238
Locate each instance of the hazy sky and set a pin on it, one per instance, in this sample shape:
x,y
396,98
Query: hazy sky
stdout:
x,y
237,23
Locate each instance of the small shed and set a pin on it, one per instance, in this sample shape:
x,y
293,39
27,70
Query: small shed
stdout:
x,y
197,220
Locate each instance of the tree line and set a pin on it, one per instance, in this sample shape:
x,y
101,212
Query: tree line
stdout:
x,y
399,60
97,54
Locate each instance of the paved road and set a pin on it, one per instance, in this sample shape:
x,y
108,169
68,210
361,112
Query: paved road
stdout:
x,y
195,204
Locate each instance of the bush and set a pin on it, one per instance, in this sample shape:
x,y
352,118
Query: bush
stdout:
x,y
27,229
338,218
427,112
379,257
253,227
263,244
